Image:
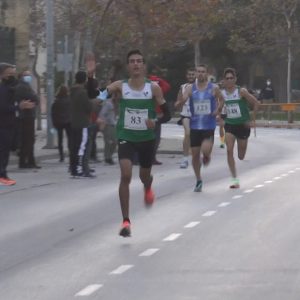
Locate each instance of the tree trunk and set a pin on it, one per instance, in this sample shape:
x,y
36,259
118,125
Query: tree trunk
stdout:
x,y
76,54
197,53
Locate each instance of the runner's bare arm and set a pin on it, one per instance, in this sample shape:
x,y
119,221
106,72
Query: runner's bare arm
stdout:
x,y
115,88
178,104
158,96
250,98
186,94
218,95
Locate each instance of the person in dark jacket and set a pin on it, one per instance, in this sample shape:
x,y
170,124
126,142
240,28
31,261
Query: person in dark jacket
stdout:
x,y
61,118
26,117
8,109
80,121
267,96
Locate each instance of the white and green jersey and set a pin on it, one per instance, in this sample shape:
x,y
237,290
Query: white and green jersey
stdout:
x,y
135,108
237,111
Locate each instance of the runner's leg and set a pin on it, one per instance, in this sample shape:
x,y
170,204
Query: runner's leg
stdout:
x,y
242,148
196,162
230,141
126,174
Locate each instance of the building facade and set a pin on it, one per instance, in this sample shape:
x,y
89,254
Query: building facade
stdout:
x,y
14,32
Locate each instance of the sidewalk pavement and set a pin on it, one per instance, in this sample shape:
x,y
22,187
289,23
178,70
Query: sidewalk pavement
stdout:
x,y
167,145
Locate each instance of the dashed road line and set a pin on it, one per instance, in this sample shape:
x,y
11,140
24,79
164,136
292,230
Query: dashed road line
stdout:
x,y
259,186
89,290
172,237
149,252
248,191
122,269
237,197
192,224
209,213
224,204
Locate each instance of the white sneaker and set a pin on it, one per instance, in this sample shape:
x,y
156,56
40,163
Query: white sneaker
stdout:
x,y
184,164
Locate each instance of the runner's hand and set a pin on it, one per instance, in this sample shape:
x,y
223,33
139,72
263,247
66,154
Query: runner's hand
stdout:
x,y
150,123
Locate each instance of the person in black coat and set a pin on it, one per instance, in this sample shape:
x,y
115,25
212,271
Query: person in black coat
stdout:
x,y
61,118
26,120
8,109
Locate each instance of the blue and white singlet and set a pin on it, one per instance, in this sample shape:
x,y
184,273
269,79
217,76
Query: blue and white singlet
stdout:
x,y
202,104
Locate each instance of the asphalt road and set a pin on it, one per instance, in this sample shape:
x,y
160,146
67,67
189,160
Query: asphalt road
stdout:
x,y
59,236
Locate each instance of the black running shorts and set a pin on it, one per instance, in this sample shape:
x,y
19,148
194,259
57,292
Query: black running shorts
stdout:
x,y
240,131
144,150
197,136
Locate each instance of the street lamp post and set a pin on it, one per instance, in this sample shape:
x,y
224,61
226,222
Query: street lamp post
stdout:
x,y
50,70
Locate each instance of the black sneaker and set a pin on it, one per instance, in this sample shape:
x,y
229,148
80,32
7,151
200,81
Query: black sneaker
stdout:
x,y
110,161
89,175
76,175
125,229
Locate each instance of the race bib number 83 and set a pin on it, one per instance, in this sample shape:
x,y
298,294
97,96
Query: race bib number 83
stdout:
x,y
135,119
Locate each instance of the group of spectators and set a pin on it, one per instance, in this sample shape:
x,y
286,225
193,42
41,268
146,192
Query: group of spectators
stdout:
x,y
18,103
81,117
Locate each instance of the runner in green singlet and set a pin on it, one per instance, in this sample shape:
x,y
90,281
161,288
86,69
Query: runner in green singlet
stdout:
x,y
135,128
237,122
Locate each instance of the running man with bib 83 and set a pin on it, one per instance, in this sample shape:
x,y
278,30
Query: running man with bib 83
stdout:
x,y
135,128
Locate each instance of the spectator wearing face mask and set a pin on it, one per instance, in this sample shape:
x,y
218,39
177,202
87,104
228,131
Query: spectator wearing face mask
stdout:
x,y
8,110
26,120
267,97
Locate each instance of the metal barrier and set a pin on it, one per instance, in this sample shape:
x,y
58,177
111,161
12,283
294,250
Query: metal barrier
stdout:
x,y
279,112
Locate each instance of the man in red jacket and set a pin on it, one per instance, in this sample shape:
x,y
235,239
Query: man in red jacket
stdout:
x,y
165,87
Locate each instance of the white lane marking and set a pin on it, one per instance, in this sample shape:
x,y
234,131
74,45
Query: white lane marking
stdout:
x,y
224,204
149,252
191,224
237,197
172,237
276,178
268,181
209,213
248,191
284,175
121,269
89,290
259,186
292,171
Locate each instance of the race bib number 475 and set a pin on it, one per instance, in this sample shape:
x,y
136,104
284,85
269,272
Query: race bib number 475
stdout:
x,y
202,107
135,119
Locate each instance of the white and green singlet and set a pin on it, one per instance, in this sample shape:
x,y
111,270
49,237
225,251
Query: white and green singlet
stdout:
x,y
135,108
237,111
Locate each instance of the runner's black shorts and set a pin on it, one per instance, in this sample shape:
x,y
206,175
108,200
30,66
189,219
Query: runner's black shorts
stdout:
x,y
197,136
223,116
180,121
240,131
145,151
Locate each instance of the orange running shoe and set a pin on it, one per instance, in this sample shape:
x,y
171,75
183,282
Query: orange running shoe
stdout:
x,y
125,229
7,181
149,197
